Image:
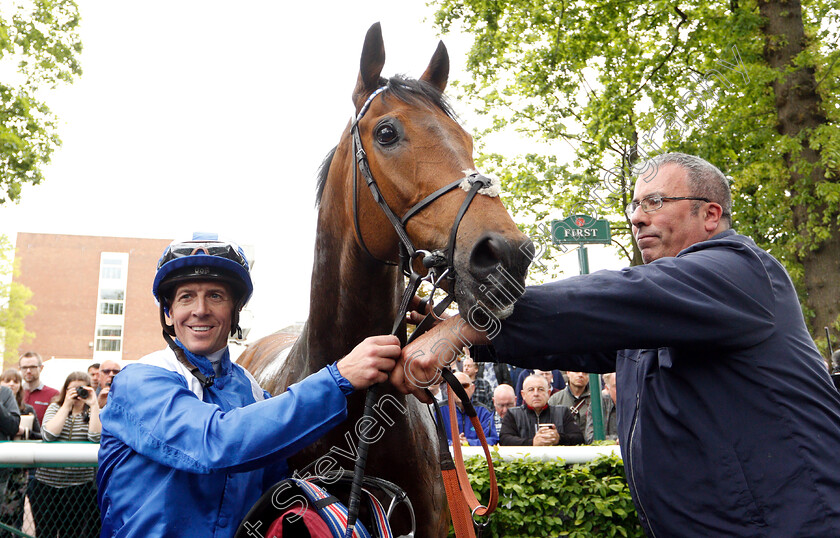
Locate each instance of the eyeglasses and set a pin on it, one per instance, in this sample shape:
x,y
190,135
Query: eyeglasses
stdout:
x,y
109,372
654,202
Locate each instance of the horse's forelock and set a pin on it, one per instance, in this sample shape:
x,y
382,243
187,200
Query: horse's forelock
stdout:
x,y
414,92
408,90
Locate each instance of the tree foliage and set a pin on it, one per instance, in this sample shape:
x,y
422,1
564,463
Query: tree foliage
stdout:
x,y
39,45
13,307
750,85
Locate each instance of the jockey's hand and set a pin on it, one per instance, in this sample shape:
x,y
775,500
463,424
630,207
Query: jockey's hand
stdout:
x,y
371,361
419,366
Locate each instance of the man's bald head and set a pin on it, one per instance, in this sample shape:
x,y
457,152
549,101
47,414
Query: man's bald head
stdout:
x,y
504,398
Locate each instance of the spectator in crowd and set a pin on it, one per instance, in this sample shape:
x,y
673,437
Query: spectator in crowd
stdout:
x,y
9,424
467,434
575,396
64,499
503,399
727,413
11,505
107,372
14,380
93,372
494,373
535,423
193,427
35,392
556,381
608,410
482,392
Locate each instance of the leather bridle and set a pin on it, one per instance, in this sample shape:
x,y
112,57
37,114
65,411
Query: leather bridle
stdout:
x,y
440,266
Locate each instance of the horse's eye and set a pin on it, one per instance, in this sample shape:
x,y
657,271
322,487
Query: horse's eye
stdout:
x,y
386,134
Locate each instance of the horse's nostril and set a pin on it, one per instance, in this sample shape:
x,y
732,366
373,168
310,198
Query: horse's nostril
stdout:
x,y
494,249
487,254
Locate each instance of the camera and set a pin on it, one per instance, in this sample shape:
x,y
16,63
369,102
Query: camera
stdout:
x,y
82,392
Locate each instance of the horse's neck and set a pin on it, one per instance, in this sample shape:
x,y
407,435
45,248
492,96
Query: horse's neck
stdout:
x,y
351,297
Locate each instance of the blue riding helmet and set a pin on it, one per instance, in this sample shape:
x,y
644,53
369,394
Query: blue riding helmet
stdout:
x,y
203,258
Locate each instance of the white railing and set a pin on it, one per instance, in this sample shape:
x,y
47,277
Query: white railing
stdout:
x,y
39,453
35,453
569,454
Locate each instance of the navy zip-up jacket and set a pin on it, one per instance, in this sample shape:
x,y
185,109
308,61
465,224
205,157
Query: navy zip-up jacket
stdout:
x,y
728,422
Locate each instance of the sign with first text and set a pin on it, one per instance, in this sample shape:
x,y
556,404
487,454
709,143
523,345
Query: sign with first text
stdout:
x,y
581,229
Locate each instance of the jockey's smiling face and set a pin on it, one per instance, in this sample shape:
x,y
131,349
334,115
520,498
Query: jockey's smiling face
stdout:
x,y
201,313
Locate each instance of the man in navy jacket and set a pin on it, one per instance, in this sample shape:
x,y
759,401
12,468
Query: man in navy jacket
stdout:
x,y
727,419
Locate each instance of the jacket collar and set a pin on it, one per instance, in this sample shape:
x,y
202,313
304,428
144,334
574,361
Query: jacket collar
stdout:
x,y
206,367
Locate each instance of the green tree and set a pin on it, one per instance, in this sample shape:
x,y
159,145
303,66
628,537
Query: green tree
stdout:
x,y
750,85
13,306
39,45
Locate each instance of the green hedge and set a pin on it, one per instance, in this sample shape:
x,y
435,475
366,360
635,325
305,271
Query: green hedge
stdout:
x,y
548,498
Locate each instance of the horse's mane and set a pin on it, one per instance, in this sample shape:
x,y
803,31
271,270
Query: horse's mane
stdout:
x,y
407,90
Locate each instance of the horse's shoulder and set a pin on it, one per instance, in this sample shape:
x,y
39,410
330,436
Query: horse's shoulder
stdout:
x,y
265,348
266,359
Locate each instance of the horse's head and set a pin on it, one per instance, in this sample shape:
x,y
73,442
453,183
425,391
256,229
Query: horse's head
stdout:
x,y
415,149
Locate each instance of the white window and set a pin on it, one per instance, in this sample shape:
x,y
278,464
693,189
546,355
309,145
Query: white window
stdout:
x,y
110,311
109,338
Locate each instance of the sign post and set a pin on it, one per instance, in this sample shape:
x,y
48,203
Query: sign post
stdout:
x,y
583,230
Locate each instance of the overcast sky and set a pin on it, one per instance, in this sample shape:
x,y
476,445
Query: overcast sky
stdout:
x,y
214,116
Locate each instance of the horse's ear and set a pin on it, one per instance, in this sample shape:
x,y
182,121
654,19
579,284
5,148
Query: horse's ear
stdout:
x,y
438,71
370,66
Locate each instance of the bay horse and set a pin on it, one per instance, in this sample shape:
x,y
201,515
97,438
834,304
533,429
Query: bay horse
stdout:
x,y
414,146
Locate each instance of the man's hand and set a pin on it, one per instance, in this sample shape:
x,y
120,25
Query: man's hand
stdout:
x,y
103,396
421,361
546,436
371,361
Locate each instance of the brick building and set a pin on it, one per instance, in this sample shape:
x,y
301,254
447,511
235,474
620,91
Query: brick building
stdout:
x,y
92,295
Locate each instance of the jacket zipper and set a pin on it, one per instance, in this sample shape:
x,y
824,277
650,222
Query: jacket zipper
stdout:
x,y
632,472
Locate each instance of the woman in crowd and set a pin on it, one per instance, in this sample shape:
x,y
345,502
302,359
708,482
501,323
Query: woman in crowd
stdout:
x,y
11,509
64,500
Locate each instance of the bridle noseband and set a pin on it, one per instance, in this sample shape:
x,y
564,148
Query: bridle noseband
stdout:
x,y
440,264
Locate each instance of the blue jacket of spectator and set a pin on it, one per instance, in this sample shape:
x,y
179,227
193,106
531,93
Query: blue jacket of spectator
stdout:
x,y
179,460
485,417
728,422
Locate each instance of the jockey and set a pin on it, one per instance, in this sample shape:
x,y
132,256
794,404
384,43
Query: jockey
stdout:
x,y
189,439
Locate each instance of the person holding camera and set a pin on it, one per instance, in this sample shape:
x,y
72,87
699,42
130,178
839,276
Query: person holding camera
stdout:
x,y
64,499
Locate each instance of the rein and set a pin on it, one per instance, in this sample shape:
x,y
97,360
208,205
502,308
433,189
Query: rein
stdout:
x,y
440,266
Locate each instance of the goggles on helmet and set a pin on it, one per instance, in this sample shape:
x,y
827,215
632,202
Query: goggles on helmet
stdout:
x,y
203,260
225,250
